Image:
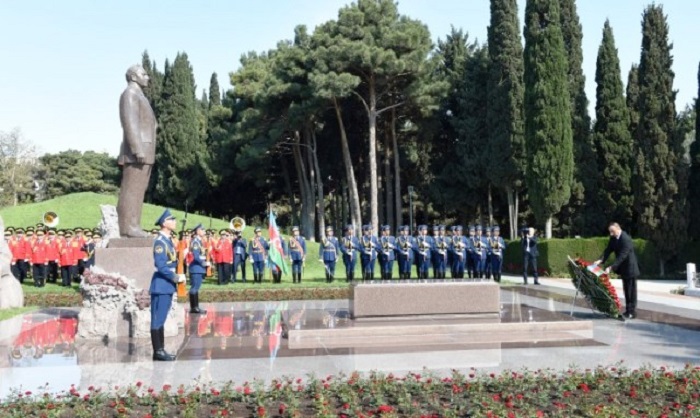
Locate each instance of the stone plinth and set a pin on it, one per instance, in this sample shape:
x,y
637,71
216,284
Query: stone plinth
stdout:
x,y
692,291
387,300
132,258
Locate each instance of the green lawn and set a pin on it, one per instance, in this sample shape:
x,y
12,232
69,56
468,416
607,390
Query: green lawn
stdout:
x,y
10,312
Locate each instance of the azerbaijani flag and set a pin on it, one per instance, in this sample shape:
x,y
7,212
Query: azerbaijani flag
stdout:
x,y
276,253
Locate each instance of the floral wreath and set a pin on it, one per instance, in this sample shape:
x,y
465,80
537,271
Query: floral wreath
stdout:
x,y
595,286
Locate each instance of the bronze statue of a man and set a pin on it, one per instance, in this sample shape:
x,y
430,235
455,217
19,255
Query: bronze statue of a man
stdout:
x,y
138,151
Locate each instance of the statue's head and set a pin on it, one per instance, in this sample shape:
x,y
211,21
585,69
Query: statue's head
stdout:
x,y
138,75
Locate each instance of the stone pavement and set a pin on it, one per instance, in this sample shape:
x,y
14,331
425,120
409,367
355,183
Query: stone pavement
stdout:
x,y
245,341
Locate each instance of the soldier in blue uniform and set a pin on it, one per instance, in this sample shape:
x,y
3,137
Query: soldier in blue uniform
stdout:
x,y
297,254
328,253
163,283
404,252
450,255
368,254
258,249
481,249
440,250
474,253
386,252
433,251
349,247
498,246
458,248
487,262
423,245
197,268
239,255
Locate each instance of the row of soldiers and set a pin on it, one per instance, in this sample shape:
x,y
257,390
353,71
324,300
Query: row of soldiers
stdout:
x,y
226,253
480,253
44,254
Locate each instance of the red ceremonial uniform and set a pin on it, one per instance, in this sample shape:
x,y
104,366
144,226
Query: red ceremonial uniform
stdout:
x,y
66,253
81,243
223,324
225,251
40,252
76,251
213,245
21,249
52,250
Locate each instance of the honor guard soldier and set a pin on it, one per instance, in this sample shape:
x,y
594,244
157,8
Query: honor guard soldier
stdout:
x,y
349,247
459,248
481,249
257,249
473,253
224,247
404,252
328,253
422,248
368,256
239,256
40,259
386,253
297,254
163,283
197,268
440,250
498,246
487,263
450,258
433,250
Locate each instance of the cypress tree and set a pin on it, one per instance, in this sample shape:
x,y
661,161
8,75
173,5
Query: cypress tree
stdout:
x,y
155,85
694,182
214,91
632,98
181,152
612,138
578,214
656,185
548,135
506,145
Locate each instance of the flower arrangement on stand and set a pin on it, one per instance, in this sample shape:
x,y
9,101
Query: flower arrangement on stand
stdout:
x,y
596,287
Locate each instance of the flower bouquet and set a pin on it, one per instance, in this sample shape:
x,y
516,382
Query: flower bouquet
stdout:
x,y
595,285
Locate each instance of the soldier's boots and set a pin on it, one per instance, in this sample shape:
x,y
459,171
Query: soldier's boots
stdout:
x,y
158,343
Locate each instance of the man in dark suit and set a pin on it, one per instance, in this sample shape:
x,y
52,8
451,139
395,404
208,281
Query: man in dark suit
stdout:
x,y
528,242
625,265
138,151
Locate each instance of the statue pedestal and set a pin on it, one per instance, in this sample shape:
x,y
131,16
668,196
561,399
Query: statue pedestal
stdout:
x,y
413,299
130,257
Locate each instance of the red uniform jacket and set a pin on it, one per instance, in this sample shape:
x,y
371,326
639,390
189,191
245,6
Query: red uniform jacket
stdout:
x,y
21,249
225,251
52,250
66,253
40,252
76,250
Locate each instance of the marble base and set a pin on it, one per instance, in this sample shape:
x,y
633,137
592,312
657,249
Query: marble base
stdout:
x,y
692,291
415,299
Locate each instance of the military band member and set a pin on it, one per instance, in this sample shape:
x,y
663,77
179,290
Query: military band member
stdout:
x,y
297,254
163,283
404,252
21,252
81,255
328,253
422,252
89,249
349,246
498,247
53,256
39,259
387,252
458,248
224,247
440,250
368,254
197,268
258,249
240,255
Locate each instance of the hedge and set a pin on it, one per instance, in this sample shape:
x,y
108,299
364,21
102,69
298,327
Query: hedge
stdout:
x,y
552,260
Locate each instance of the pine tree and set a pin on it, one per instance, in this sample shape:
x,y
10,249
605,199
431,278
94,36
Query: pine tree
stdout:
x,y
694,181
506,145
214,91
656,186
548,135
612,138
180,156
577,214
